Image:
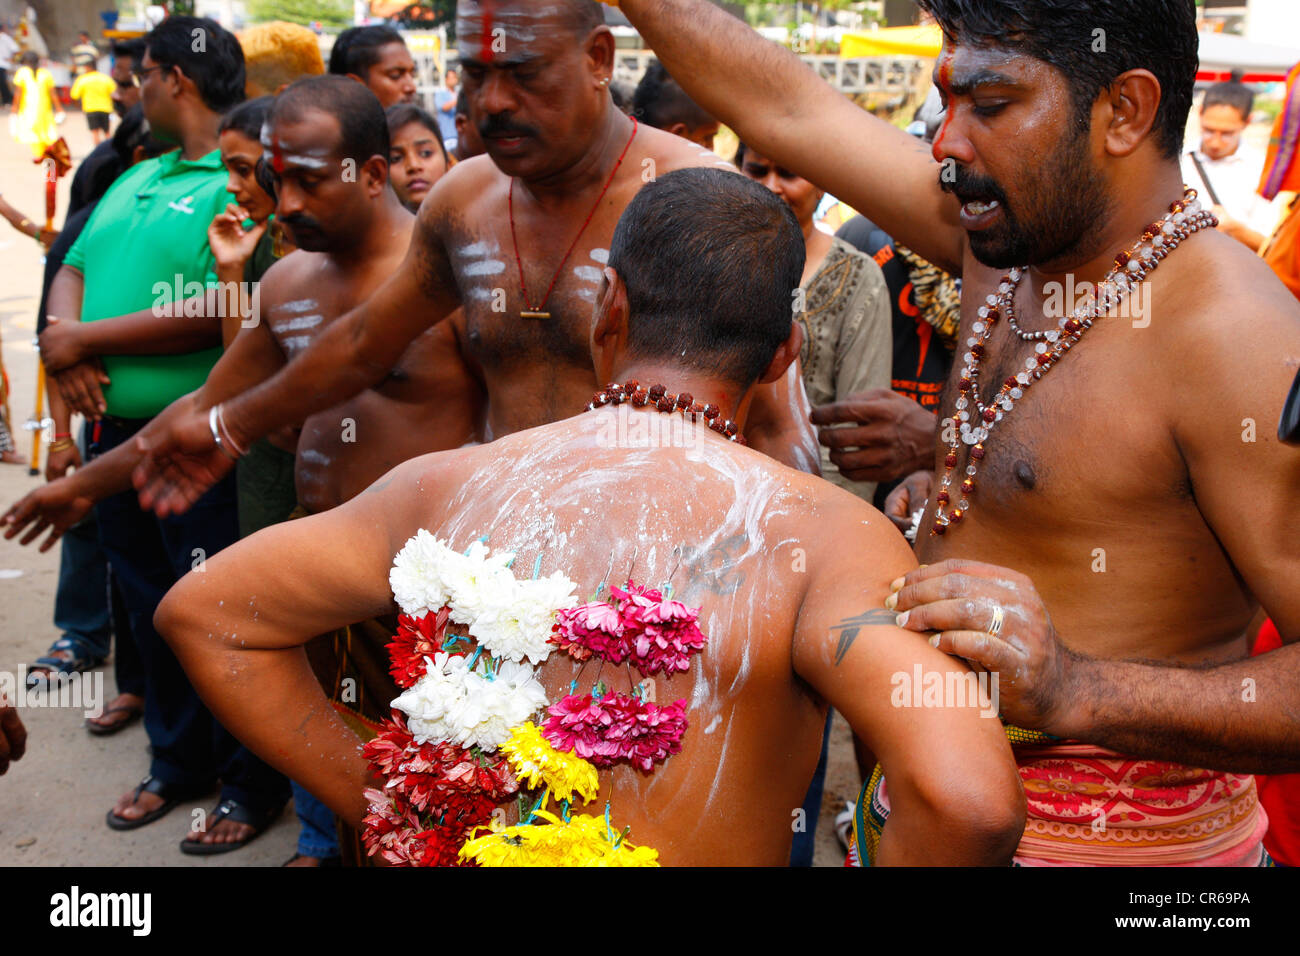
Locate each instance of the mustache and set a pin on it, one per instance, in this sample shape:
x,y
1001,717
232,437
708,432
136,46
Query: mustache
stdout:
x,y
300,222
501,125
968,185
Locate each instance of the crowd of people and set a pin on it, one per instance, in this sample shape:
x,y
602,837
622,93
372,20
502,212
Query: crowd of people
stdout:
x,y
305,321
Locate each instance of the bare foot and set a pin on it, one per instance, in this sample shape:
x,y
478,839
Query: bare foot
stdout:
x,y
12,458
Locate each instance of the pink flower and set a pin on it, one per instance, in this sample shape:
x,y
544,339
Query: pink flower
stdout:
x,y
616,727
591,629
667,647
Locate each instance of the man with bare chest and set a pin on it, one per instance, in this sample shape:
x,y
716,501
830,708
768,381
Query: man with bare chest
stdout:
x,y
517,238
586,499
352,234
1106,448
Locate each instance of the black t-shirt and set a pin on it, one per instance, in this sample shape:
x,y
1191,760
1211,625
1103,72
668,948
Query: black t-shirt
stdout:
x,y
921,363
54,258
93,177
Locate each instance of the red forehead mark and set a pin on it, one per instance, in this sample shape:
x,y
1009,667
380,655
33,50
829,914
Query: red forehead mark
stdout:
x,y
945,70
277,156
945,84
485,41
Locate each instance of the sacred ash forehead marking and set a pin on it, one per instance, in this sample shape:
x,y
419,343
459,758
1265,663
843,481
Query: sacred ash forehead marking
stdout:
x,y
273,152
518,26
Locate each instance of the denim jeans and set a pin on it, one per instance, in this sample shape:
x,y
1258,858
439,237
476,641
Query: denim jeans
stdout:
x,y
81,600
804,844
149,555
317,835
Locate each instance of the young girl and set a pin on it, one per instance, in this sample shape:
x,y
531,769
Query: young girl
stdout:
x,y
417,157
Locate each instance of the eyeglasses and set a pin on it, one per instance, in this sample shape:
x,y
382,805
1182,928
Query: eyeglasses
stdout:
x,y
139,75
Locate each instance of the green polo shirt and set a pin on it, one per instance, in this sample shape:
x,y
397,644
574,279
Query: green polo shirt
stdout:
x,y
146,244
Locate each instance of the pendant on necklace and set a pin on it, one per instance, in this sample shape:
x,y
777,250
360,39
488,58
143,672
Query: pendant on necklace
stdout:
x,y
529,314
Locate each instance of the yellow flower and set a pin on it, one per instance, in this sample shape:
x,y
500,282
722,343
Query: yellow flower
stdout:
x,y
536,762
582,841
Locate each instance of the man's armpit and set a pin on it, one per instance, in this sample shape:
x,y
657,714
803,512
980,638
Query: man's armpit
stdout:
x,y
847,630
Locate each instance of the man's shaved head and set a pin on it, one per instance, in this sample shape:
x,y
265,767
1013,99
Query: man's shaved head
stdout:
x,y
583,15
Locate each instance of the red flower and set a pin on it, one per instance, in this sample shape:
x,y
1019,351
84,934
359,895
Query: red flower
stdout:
x,y
616,727
415,640
447,781
394,831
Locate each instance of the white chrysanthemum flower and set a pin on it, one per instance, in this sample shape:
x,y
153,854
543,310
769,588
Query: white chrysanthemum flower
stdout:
x,y
451,702
417,576
475,581
490,708
519,625
429,701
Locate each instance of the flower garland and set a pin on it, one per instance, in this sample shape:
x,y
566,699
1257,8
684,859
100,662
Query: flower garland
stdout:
x,y
462,740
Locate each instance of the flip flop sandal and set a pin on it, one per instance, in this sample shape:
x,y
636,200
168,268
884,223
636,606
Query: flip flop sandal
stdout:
x,y
79,663
259,820
133,712
172,796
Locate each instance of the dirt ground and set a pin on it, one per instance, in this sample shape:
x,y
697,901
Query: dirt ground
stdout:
x,y
53,801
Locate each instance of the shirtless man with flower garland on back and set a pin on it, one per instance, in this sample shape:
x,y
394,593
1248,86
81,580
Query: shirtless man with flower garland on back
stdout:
x,y
692,297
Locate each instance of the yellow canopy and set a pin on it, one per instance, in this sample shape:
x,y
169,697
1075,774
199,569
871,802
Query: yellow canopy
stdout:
x,y
925,41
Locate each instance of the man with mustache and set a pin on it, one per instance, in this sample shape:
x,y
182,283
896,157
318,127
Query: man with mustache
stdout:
x,y
517,238
1118,452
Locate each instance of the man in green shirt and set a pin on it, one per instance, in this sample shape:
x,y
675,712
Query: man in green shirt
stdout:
x,y
146,247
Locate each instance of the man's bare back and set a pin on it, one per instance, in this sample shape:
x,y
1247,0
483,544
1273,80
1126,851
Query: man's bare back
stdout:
x,y
793,617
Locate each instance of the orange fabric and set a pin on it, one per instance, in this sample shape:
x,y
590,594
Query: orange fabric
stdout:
x,y
1282,251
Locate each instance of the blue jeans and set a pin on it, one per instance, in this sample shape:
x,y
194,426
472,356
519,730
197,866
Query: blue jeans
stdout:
x,y
803,844
81,602
149,555
317,835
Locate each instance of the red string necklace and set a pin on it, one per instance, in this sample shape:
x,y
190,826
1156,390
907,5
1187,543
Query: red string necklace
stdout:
x,y
529,312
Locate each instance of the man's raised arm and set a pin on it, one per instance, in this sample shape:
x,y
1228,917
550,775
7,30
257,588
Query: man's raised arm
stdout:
x,y
355,352
786,112
955,796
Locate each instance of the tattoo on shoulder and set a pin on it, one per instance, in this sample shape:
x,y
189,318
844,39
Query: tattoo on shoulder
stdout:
x,y
850,627
715,569
378,487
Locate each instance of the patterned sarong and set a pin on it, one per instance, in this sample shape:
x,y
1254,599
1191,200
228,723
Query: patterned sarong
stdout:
x,y
1088,806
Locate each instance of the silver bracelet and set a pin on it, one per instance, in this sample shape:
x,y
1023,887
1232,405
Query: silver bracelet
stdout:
x,y
216,433
230,437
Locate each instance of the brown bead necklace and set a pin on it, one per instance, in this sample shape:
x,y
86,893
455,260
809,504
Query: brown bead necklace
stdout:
x,y
975,420
659,398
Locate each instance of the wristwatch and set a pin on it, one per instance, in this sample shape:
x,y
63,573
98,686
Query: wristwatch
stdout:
x,y
1288,428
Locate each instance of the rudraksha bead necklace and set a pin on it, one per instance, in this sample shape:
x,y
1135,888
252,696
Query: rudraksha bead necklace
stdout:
x,y
1159,239
657,397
